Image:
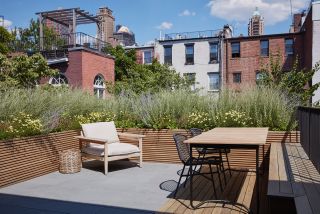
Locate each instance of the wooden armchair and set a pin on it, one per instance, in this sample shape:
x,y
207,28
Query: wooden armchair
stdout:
x,y
99,139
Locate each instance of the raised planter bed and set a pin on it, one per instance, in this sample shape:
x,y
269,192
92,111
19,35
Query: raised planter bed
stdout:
x,y
25,158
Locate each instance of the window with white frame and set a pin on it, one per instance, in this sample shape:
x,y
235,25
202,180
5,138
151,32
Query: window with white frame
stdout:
x,y
147,57
58,80
99,86
191,77
214,81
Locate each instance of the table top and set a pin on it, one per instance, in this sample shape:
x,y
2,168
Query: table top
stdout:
x,y
231,136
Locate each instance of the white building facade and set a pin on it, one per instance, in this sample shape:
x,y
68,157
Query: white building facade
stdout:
x,y
197,58
315,7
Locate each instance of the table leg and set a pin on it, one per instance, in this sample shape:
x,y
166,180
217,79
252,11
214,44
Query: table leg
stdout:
x,y
191,177
257,178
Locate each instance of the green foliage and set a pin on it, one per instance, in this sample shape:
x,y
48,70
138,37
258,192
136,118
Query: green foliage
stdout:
x,y
295,82
23,71
28,39
138,78
60,109
5,39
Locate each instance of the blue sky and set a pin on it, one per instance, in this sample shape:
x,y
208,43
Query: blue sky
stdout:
x,y
146,17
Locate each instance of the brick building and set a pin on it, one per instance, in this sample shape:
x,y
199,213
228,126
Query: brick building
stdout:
x,y
244,57
85,69
78,57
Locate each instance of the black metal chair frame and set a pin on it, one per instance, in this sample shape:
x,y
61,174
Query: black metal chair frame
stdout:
x,y
185,157
204,151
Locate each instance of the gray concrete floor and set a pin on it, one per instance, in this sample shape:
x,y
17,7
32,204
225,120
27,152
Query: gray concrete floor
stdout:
x,y
126,189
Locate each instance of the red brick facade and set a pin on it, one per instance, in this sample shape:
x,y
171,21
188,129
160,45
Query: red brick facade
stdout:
x,y
84,65
250,60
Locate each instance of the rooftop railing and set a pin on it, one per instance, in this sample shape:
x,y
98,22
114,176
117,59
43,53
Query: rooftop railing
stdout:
x,y
191,35
71,40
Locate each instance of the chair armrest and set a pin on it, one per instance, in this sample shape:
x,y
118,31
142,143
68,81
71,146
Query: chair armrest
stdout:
x,y
131,136
91,140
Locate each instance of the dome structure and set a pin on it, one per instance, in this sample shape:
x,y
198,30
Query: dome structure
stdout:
x,y
124,29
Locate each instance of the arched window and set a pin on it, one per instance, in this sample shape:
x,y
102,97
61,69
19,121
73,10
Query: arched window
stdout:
x,y
58,80
99,86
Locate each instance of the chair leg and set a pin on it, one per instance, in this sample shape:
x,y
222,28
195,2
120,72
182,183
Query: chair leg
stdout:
x,y
219,177
175,192
224,172
214,187
105,166
106,158
229,169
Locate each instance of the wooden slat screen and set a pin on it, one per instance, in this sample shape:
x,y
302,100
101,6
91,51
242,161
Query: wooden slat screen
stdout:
x,y
30,157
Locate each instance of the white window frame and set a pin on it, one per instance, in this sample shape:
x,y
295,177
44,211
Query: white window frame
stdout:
x,y
150,56
61,79
99,86
214,73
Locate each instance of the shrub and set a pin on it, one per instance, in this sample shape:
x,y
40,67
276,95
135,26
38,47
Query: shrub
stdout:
x,y
65,109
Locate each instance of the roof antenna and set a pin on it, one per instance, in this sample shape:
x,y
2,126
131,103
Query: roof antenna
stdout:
x,y
291,11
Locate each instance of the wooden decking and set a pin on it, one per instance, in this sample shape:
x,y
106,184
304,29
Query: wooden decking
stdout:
x,y
240,187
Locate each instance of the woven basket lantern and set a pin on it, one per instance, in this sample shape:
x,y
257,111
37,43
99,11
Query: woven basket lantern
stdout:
x,y
70,161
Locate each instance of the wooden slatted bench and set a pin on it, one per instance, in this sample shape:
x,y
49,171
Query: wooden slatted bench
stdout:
x,y
294,182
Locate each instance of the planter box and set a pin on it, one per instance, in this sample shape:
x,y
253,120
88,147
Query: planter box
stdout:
x,y
26,158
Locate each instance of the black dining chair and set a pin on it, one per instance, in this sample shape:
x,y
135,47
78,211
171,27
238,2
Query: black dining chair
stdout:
x,y
211,151
185,157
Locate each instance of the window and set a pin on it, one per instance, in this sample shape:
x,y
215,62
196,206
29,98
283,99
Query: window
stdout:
x,y
237,77
214,81
289,46
99,86
191,77
147,57
235,46
168,55
264,47
58,80
259,76
189,54
214,52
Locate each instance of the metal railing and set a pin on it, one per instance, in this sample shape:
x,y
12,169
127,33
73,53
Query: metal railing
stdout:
x,y
191,35
70,40
309,127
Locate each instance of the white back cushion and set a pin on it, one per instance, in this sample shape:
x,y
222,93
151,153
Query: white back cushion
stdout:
x,y
102,130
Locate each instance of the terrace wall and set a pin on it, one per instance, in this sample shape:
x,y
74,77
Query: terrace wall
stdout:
x,y
30,157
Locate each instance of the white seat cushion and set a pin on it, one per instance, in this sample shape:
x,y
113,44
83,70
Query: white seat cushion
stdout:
x,y
102,130
113,149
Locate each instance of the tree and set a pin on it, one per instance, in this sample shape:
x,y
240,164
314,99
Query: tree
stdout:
x,y
28,39
137,78
295,82
5,39
23,71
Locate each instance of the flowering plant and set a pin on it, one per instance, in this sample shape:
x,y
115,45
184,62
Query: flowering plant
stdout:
x,y
22,124
234,118
199,120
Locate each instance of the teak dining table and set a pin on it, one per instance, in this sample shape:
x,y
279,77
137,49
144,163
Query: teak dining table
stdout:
x,y
231,138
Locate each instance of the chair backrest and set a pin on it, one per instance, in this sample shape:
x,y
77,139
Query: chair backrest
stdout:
x,y
183,148
102,130
195,131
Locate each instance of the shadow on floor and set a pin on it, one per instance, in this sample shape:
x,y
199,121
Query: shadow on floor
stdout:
x,y
113,165
237,187
13,204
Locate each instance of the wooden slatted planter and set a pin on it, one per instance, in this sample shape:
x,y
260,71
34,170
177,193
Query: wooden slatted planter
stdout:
x,y
26,158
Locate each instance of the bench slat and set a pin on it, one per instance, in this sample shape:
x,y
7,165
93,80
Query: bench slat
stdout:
x,y
284,170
